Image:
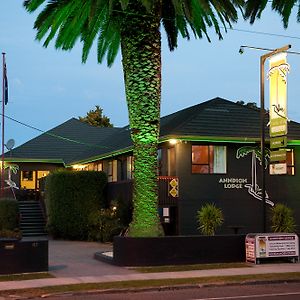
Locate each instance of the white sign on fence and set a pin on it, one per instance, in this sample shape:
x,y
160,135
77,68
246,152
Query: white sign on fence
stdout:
x,y
268,245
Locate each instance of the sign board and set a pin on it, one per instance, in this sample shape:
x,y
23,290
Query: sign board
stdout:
x,y
278,142
278,127
278,94
278,155
278,169
269,245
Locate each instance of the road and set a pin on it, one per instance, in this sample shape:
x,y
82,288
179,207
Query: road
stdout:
x,y
279,291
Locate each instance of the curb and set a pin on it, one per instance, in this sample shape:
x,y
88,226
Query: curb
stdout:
x,y
163,288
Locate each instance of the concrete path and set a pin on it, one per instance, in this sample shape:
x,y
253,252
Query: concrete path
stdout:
x,y
73,263
75,259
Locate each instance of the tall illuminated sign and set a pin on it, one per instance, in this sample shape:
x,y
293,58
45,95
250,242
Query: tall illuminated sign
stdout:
x,y
278,95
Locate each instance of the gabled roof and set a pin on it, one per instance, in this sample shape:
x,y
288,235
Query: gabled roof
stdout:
x,y
63,143
219,118
216,119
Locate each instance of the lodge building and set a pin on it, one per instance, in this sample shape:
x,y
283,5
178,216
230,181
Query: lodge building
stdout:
x,y
208,153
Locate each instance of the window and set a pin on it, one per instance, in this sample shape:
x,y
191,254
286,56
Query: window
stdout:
x,y
28,179
208,159
98,166
112,173
129,167
171,162
27,175
290,162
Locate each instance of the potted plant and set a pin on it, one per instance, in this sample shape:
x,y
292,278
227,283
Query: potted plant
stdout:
x,y
209,218
282,219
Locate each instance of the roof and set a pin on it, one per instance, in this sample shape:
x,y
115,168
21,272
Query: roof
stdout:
x,y
216,119
219,118
64,142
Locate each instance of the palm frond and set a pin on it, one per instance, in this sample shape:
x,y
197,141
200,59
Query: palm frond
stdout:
x,y
284,8
32,5
169,23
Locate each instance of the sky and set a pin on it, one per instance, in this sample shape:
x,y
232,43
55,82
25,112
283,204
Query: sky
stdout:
x,y
47,86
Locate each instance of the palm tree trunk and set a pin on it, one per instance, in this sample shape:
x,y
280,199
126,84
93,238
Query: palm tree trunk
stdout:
x,y
141,58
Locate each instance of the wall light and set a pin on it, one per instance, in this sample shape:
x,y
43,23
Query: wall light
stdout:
x,y
173,141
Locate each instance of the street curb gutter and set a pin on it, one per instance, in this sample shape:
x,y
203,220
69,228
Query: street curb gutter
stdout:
x,y
167,288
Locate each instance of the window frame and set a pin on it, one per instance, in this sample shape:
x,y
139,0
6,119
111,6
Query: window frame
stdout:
x,y
210,159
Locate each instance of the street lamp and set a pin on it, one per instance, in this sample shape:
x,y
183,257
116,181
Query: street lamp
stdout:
x,y
263,59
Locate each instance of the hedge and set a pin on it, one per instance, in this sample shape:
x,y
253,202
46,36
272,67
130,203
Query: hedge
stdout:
x,y
71,198
9,214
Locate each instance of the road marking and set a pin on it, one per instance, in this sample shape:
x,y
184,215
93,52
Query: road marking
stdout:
x,y
250,296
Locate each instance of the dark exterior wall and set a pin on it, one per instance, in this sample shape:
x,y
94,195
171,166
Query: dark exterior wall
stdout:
x,y
239,207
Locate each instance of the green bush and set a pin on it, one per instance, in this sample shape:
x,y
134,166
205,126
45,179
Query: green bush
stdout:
x,y
104,225
71,198
123,211
210,218
282,219
9,214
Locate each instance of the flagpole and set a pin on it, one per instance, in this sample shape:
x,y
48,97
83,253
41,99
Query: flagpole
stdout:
x,y
3,100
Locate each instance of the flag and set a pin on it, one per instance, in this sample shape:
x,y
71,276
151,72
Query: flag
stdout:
x,y
5,85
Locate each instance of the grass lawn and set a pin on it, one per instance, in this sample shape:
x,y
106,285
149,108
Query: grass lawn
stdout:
x,y
178,268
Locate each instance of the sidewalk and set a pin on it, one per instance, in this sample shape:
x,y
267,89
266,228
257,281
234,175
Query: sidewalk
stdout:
x,y
73,263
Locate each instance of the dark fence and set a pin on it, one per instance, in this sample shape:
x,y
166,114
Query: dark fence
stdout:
x,y
176,250
23,256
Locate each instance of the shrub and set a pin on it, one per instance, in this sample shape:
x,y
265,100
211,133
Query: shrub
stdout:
x,y
71,197
9,214
123,211
210,218
104,225
282,219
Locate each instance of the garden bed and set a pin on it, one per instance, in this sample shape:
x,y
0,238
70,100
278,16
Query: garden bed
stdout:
x,y
23,256
176,250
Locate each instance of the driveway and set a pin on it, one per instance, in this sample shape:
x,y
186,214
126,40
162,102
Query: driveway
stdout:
x,y
75,258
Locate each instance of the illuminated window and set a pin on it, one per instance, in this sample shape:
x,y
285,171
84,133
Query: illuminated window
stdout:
x,y
27,175
290,162
98,166
208,159
112,173
129,167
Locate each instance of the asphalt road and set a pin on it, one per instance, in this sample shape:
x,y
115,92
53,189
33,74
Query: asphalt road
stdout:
x,y
279,291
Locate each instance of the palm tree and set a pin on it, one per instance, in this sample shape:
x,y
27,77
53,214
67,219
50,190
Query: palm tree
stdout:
x,y
135,26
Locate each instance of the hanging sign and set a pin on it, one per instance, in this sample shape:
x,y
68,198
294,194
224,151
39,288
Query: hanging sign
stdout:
x,y
278,94
278,142
278,169
278,155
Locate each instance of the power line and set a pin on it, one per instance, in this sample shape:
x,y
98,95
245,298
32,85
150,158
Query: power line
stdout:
x,y
54,135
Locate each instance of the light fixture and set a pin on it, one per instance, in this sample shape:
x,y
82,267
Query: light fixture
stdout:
x,y
173,141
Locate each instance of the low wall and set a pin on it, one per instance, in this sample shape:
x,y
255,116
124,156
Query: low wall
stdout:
x,y
24,256
176,250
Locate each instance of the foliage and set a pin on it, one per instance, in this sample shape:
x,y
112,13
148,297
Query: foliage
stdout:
x,y
96,118
104,225
71,197
9,214
254,9
282,219
123,211
210,218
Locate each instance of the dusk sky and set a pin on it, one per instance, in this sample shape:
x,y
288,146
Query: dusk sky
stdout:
x,y
48,87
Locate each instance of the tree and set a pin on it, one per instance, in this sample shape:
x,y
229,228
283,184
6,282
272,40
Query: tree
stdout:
x,y
135,26
96,118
